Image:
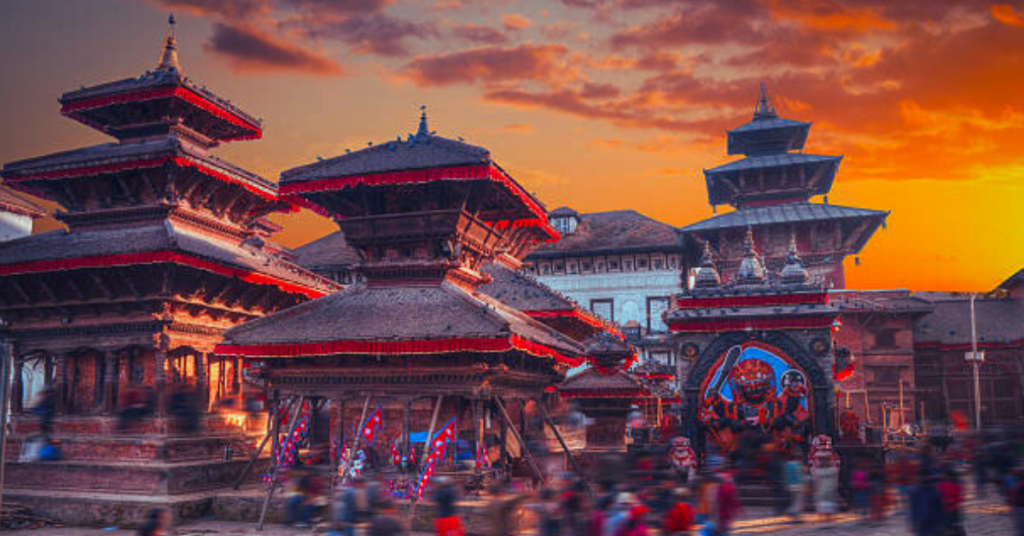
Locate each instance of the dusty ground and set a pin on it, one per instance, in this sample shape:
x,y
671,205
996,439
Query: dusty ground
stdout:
x,y
984,517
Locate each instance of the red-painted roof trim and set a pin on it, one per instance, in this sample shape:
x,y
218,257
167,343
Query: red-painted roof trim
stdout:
x,y
155,257
406,347
456,173
71,108
754,301
709,325
180,161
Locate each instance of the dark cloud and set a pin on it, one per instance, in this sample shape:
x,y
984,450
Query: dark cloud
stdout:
x,y
236,9
249,49
341,7
374,33
479,34
490,64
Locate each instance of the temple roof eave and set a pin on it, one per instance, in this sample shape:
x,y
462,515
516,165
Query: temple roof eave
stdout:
x,y
61,250
157,79
90,160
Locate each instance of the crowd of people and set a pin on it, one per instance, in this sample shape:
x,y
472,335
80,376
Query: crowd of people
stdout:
x,y
923,487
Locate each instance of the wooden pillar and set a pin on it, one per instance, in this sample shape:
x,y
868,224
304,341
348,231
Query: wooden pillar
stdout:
x,y
503,430
202,383
406,425
110,383
62,383
18,385
160,379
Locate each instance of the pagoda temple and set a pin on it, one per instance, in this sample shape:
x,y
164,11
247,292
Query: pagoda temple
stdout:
x,y
770,190
426,215
166,246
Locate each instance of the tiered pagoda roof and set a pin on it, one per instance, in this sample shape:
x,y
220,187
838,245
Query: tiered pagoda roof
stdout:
x,y
426,215
150,211
771,190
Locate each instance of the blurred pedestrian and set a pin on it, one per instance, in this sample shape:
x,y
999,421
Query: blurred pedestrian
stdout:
x,y
952,495
500,511
727,504
796,483
620,513
879,493
297,497
137,405
157,523
1016,501
679,519
385,522
599,515
636,523
926,512
446,520
825,475
45,407
861,486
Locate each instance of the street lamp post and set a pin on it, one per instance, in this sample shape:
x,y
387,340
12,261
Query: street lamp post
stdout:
x,y
975,358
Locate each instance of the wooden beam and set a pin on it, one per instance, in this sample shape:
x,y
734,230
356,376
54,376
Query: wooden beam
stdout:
x,y
273,469
519,439
558,436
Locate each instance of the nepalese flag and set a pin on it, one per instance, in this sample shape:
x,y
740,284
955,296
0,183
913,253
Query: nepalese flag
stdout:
x,y
412,455
373,423
396,456
428,472
448,433
438,446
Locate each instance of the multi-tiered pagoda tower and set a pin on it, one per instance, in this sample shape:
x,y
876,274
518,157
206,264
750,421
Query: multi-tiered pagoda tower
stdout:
x,y
164,249
771,189
426,214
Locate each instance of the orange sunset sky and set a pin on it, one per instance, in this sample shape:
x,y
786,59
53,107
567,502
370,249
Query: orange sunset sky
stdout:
x,y
596,104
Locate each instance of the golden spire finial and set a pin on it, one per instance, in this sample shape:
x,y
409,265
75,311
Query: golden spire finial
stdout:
x,y
169,57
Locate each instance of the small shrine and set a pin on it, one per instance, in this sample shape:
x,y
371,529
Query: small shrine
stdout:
x,y
759,356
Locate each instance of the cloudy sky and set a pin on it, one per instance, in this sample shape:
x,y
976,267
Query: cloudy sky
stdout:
x,y
596,104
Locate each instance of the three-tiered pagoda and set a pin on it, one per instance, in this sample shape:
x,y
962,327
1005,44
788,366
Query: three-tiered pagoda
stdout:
x,y
770,189
164,249
426,215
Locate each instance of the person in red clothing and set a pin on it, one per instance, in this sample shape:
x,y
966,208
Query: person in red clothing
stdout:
x,y
635,525
727,504
679,519
952,494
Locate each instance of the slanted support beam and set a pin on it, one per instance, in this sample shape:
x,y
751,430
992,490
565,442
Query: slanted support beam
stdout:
x,y
519,439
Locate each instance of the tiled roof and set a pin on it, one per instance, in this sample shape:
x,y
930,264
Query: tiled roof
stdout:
x,y
159,237
522,291
613,232
397,313
1013,281
416,153
768,124
327,252
592,380
12,202
782,213
155,79
770,161
997,320
110,153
